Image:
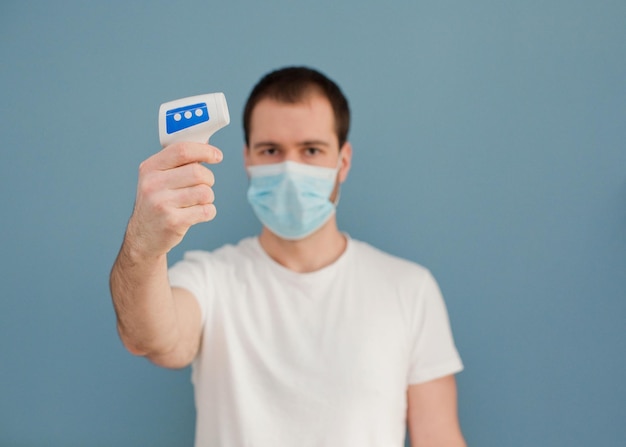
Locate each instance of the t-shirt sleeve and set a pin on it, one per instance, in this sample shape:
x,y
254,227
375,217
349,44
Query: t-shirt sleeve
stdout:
x,y
192,274
433,352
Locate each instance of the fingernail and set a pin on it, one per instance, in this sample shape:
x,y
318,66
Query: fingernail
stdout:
x,y
218,155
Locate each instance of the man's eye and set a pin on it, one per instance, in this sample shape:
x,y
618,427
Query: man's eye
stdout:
x,y
312,150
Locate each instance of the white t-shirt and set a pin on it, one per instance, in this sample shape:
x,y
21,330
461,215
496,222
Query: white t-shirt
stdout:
x,y
317,359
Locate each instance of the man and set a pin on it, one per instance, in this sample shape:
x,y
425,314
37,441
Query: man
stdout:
x,y
301,336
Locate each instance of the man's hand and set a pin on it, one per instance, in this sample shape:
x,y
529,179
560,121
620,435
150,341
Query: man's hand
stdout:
x,y
174,192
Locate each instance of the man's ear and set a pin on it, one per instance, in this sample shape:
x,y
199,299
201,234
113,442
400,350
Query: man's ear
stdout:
x,y
346,161
246,153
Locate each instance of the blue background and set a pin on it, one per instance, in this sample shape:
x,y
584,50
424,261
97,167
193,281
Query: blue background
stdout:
x,y
489,145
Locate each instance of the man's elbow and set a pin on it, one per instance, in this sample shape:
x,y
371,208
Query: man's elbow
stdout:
x,y
131,344
170,360
166,355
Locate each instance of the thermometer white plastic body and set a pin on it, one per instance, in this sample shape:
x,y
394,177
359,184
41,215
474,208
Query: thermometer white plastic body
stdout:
x,y
195,118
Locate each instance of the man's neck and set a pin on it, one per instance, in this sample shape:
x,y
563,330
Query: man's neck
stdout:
x,y
312,253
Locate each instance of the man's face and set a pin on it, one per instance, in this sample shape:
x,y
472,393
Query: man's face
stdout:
x,y
303,132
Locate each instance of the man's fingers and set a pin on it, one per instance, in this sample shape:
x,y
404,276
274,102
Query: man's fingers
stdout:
x,y
196,214
153,182
177,221
195,195
183,153
181,177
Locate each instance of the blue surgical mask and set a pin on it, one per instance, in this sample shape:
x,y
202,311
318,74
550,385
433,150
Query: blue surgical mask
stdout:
x,y
292,199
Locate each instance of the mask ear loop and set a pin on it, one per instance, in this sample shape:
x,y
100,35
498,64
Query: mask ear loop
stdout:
x,y
336,201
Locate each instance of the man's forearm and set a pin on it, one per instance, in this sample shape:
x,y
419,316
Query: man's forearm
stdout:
x,y
143,302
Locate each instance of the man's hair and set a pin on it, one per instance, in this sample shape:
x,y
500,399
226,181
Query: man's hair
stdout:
x,y
292,85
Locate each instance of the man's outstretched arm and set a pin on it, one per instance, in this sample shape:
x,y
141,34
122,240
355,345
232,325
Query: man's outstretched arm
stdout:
x,y
174,192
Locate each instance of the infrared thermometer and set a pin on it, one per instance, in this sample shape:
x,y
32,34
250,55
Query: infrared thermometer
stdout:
x,y
195,118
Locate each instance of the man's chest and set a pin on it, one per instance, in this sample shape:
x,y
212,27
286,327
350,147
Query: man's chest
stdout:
x,y
347,336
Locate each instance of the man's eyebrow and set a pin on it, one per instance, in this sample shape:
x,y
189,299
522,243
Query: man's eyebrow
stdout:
x,y
314,143
264,144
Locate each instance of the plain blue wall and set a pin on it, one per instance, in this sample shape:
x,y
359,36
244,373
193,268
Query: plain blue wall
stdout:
x,y
489,143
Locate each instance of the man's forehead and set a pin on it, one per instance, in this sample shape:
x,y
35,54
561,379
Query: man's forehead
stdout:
x,y
308,100
313,112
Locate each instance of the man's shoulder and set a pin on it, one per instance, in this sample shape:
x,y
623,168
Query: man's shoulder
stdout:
x,y
227,253
374,257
